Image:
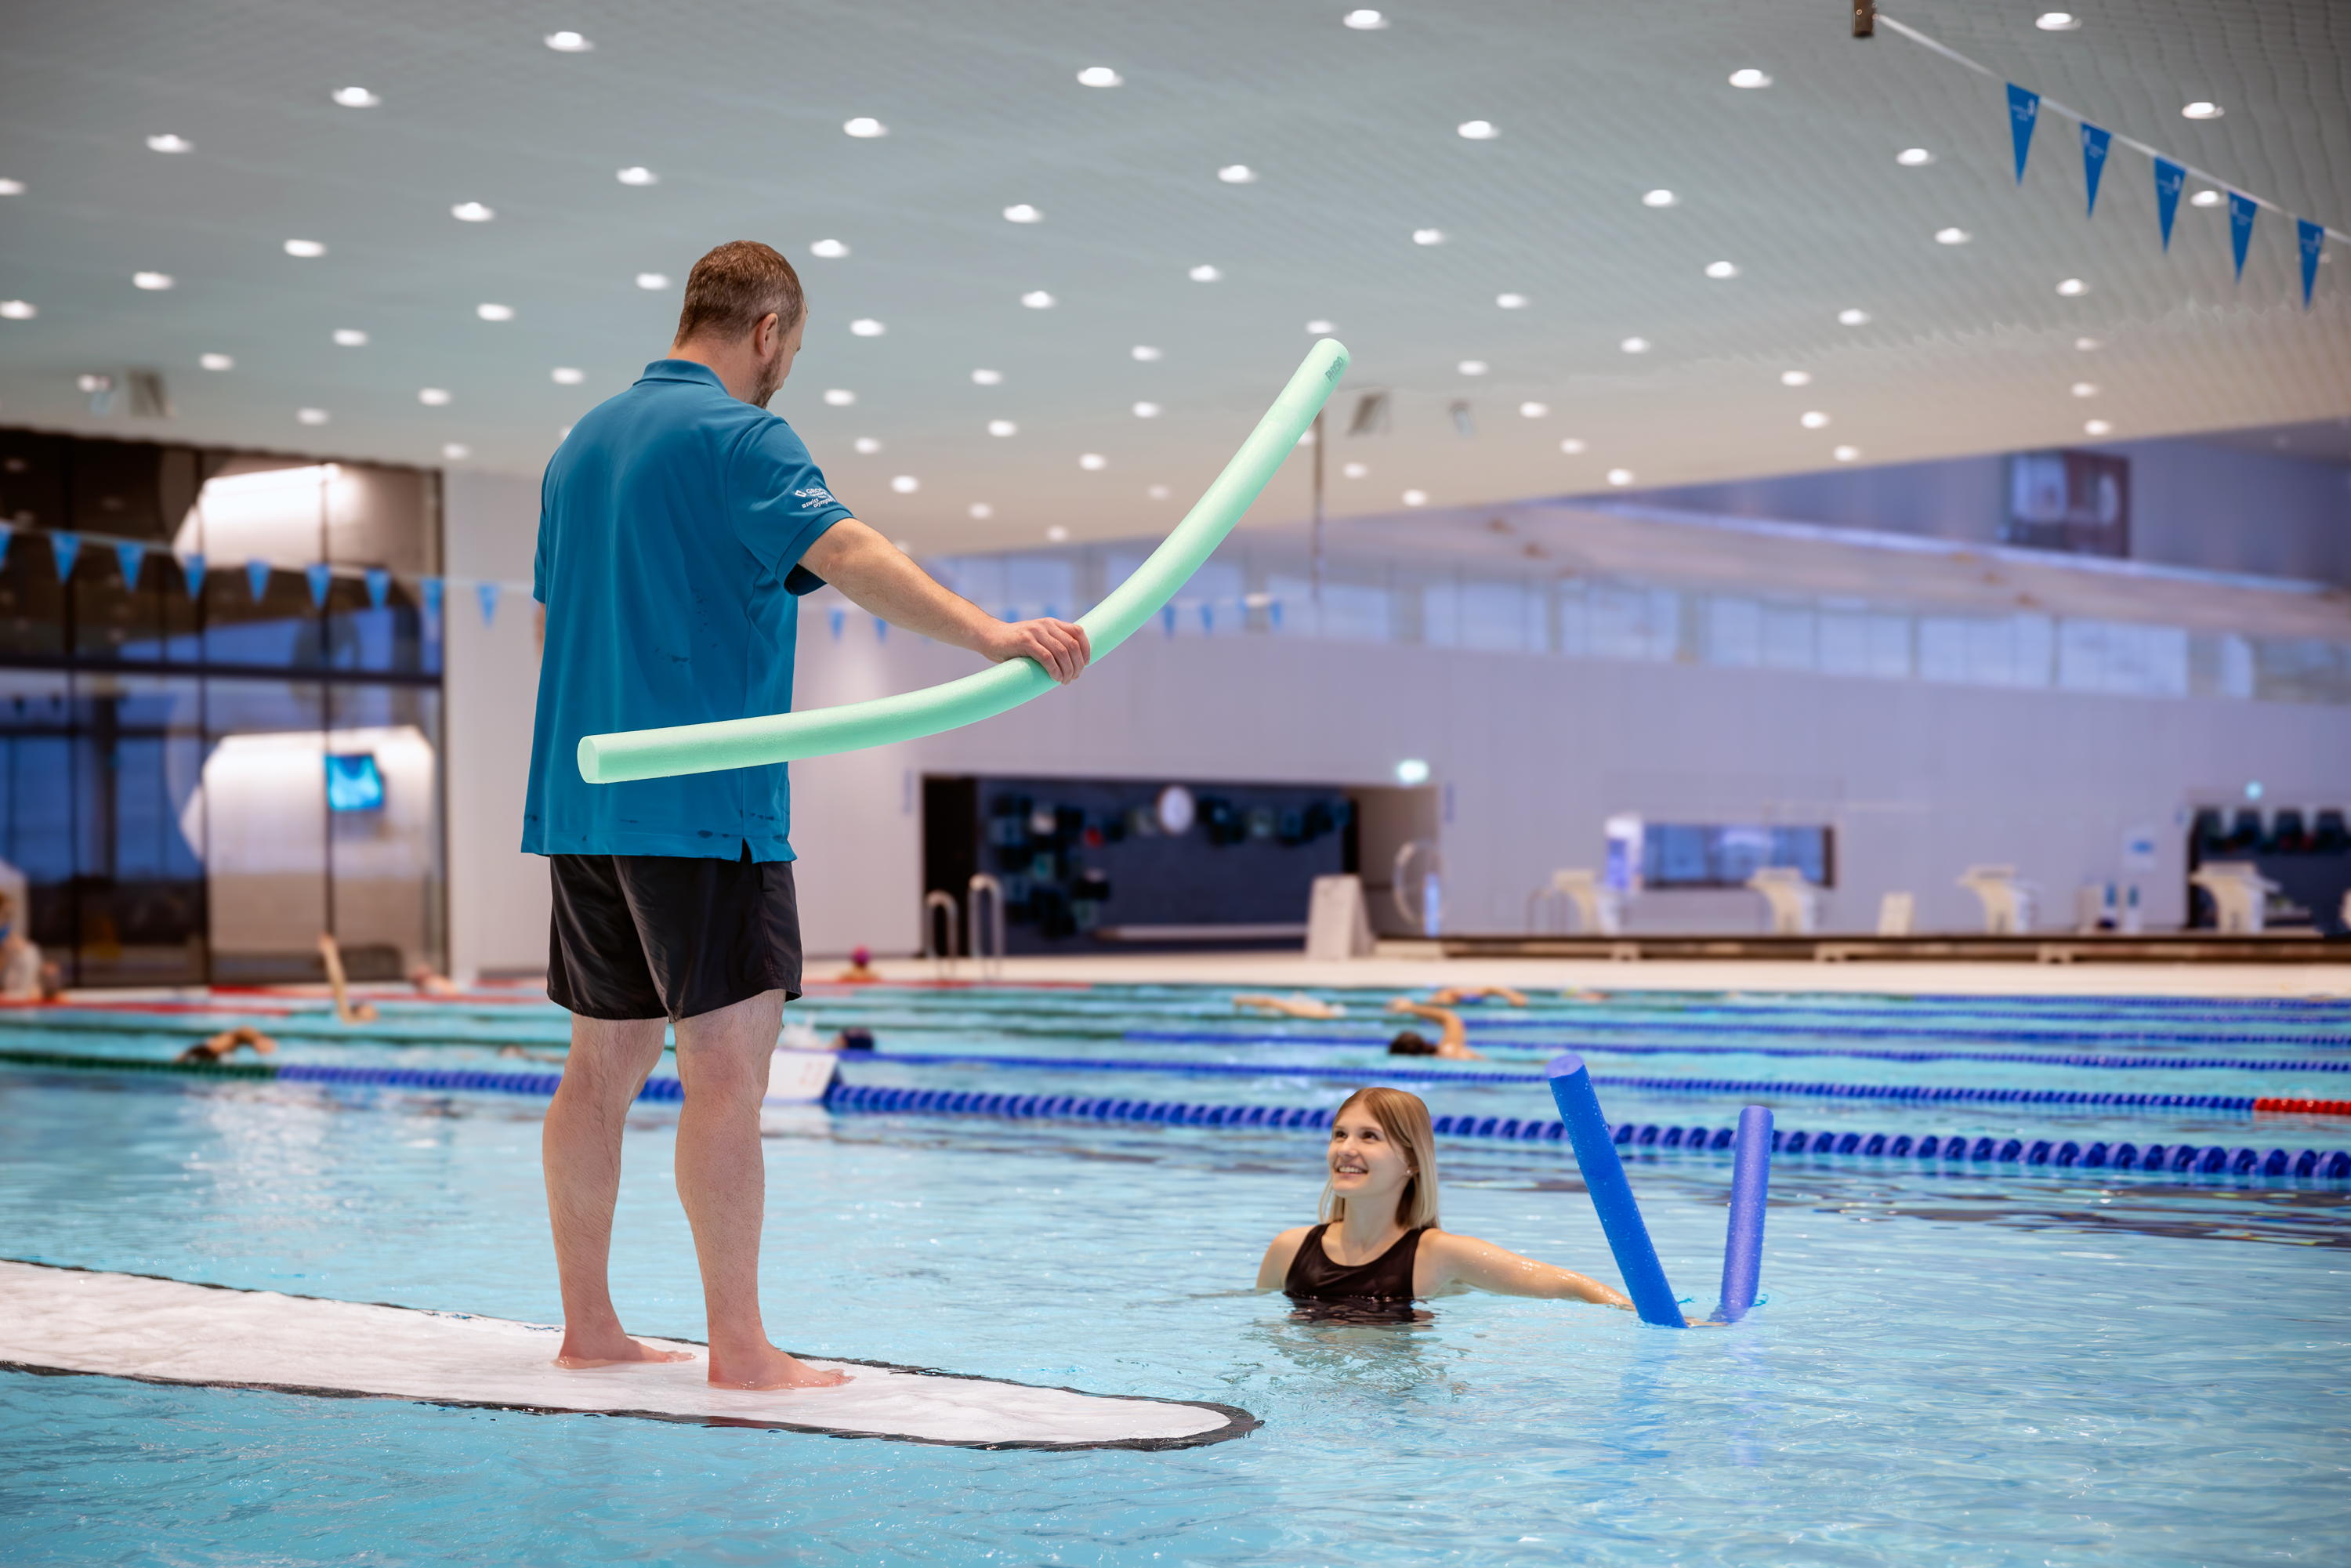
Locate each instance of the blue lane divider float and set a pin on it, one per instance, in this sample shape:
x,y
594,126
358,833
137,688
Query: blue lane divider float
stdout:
x,y
1751,1188
1612,1194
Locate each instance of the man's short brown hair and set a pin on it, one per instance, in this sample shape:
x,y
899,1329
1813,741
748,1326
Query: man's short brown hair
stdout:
x,y
732,288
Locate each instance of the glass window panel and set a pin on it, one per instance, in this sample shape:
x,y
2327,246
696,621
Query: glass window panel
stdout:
x,y
37,806
32,600
278,629
263,806
139,885
384,855
1734,632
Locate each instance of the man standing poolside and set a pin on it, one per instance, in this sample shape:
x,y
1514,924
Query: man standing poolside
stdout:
x,y
679,524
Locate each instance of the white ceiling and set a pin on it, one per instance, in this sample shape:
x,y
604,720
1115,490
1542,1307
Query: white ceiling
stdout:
x,y
738,108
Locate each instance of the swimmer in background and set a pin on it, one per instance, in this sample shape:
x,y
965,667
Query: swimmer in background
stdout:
x,y
1379,1247
1453,995
330,953
1297,1005
861,970
430,982
226,1043
1453,1047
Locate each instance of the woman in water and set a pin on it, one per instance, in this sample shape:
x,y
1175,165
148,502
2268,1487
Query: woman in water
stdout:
x,y
1378,1249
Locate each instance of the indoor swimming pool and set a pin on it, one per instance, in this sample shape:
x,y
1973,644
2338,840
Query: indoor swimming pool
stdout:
x,y
1981,1361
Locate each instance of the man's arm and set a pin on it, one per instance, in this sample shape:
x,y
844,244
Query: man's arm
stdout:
x,y
878,578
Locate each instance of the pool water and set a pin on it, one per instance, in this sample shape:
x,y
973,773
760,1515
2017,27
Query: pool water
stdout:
x,y
1951,1366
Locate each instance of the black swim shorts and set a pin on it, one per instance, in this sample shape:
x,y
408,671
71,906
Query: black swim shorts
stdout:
x,y
644,937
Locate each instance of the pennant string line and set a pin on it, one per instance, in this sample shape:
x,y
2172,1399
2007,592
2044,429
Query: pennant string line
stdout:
x,y
1915,36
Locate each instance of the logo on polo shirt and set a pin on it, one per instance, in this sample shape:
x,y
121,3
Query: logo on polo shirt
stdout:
x,y
815,496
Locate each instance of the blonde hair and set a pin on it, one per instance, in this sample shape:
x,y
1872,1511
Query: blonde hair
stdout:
x,y
1403,1122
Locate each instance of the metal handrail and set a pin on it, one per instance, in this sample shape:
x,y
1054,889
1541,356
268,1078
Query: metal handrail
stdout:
x,y
943,959
991,964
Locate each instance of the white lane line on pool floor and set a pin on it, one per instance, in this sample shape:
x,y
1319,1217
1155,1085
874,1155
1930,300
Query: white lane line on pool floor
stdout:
x,y
167,1331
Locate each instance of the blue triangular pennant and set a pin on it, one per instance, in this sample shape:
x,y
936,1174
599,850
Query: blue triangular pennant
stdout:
x,y
487,592
321,578
130,558
840,618
2311,237
2093,161
1167,619
431,587
2241,228
881,630
1207,616
2023,114
7,534
256,577
63,549
379,586
2169,177
1273,613
192,568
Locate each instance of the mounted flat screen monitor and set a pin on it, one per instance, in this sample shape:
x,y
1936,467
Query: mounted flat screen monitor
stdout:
x,y
354,783
1686,854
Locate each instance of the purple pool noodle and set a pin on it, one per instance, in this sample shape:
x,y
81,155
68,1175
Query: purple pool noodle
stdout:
x,y
1750,1183
1612,1194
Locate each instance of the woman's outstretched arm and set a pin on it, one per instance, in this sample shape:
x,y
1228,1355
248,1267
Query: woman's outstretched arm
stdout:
x,y
1275,1267
1466,1261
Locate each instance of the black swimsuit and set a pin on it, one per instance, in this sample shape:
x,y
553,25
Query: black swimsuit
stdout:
x,y
1376,1292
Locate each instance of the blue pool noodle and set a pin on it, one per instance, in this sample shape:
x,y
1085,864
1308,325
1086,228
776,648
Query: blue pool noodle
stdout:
x,y
1750,1183
1612,1194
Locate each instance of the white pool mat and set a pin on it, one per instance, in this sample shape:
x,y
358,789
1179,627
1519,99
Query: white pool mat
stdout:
x,y
167,1331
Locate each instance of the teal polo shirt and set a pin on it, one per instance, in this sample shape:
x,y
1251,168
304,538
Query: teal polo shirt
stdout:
x,y
671,525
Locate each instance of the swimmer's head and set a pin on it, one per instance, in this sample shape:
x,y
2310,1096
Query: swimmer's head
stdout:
x,y
1382,1145
853,1039
861,956
1410,1043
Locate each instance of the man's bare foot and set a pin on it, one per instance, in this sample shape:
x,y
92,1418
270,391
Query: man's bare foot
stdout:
x,y
768,1367
616,1351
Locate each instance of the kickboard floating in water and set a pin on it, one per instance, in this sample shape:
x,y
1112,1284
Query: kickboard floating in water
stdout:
x,y
64,1320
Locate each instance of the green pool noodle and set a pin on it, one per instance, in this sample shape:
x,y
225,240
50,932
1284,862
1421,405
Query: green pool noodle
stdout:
x,y
852,726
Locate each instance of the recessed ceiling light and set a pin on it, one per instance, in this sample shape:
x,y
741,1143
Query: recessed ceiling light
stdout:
x,y
2097,427
1851,318
1720,269
312,415
1845,454
1635,345
455,451
1038,300
1204,273
1571,446
1620,475
1356,471
2197,110
653,280
1057,534
1476,130
905,484
1812,418
167,142
1157,492
1428,236
839,397
2206,199
1416,497
306,248
472,212
1914,157
1099,75
1365,21
568,43
829,249
1471,367
12,187
2088,344
2057,21
866,327
1319,327
1512,302
1660,197
1144,351
865,127
1953,237
1533,410
2085,389
494,312
636,175
432,397
982,510
987,378
867,444
567,375
1795,378
355,98
1747,75
1022,212
1236,175
350,337
1093,462
217,361
1002,427
2072,286
152,279
1147,411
